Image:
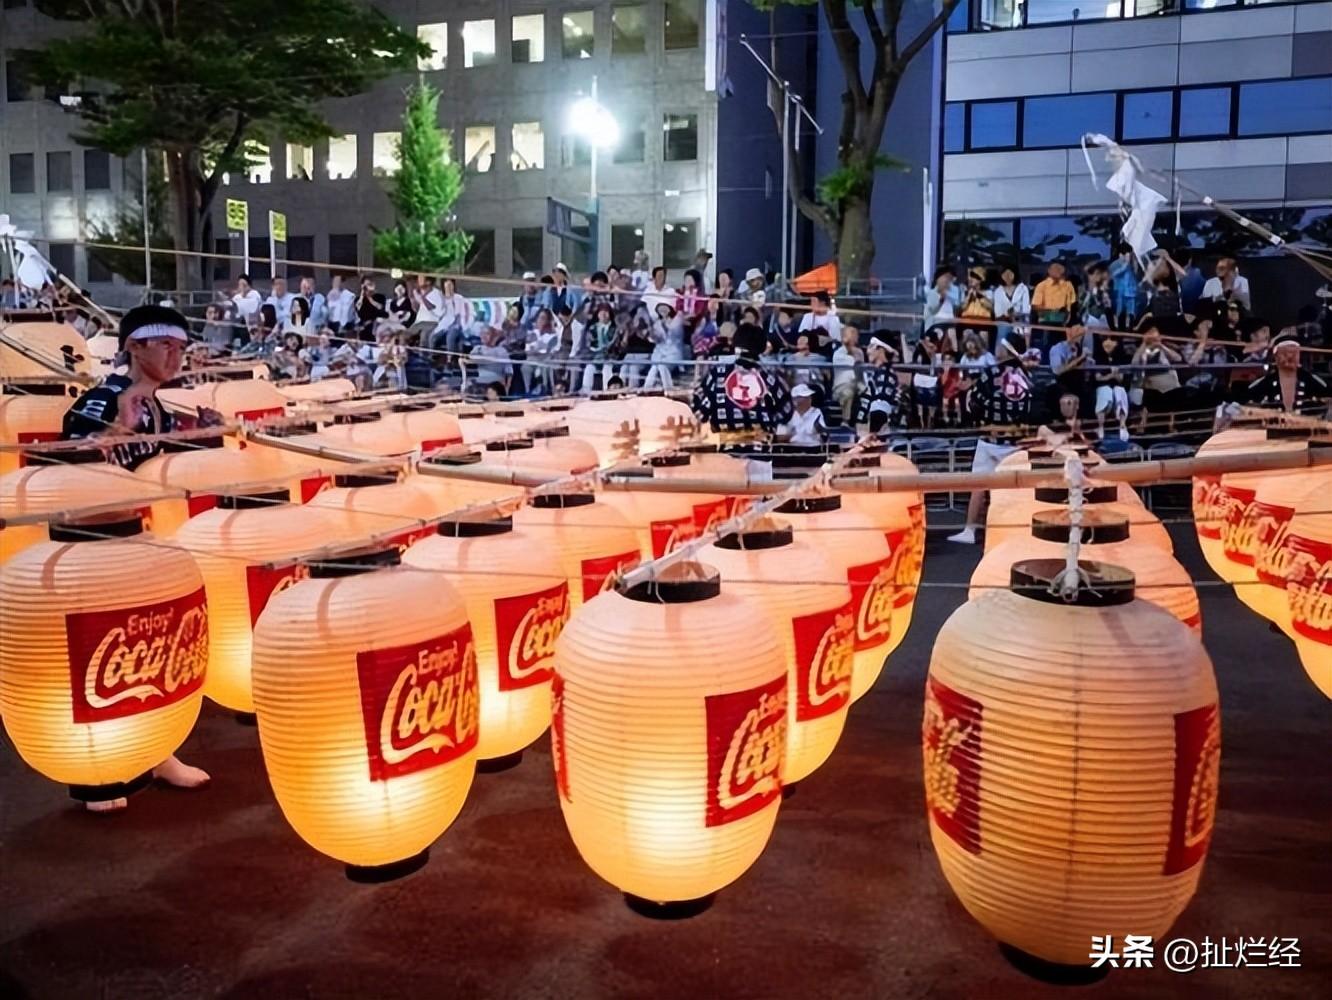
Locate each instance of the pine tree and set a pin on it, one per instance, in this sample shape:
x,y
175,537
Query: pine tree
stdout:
x,y
423,192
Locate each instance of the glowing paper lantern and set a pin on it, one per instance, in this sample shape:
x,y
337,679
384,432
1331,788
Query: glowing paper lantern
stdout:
x,y
1234,507
609,425
248,399
668,737
1071,758
555,452
233,543
1106,538
368,731
56,344
1280,506
57,481
858,549
102,655
1208,516
431,427
814,622
1309,593
1014,521
362,506
664,521
309,474
518,601
729,472
197,465
662,422
453,494
476,426
369,434
328,390
592,540
30,414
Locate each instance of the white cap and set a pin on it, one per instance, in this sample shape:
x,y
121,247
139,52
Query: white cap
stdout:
x,y
529,276
560,267
753,273
802,390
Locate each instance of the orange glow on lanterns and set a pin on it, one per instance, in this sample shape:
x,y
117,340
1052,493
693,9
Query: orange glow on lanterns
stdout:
x,y
1014,520
592,540
30,414
197,465
363,506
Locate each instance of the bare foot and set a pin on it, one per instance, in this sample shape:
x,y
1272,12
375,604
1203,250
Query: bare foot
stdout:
x,y
180,775
107,806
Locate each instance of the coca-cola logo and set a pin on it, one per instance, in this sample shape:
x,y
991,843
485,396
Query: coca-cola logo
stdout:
x,y
872,595
262,413
526,627
557,744
951,741
667,536
824,646
1205,491
419,703
262,583
746,747
435,444
312,486
197,503
1197,767
1308,593
599,573
1271,525
710,515
1232,508
130,660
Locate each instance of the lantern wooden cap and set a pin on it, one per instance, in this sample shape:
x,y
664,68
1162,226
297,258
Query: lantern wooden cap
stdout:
x,y
865,462
508,414
359,482
1291,433
555,408
668,461
293,430
1104,493
194,444
412,406
470,415
551,432
35,389
1105,586
562,501
253,501
701,449
514,444
1098,527
773,536
119,526
1081,449
476,529
811,505
355,563
782,462
77,456
680,583
355,418
465,458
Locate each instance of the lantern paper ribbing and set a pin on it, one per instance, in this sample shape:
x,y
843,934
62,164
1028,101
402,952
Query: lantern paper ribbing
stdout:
x,y
35,414
1071,757
247,399
668,736
663,521
609,425
232,545
815,624
362,506
518,601
662,422
727,471
197,466
102,655
366,693
1208,506
592,540
1309,594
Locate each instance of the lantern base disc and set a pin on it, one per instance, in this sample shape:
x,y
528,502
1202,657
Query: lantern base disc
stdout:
x,y
497,764
1054,973
679,910
246,718
115,790
788,791
379,874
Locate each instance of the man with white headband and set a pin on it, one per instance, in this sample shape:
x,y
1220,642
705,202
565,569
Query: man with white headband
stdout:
x,y
1286,386
882,394
154,339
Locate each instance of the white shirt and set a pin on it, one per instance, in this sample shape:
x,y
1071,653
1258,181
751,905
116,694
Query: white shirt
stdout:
x,y
805,428
340,303
455,310
640,280
844,367
654,297
247,303
1214,290
430,307
1018,301
828,322
281,305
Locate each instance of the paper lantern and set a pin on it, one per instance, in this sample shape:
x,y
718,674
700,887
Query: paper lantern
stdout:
x,y
30,414
518,601
452,494
555,452
44,345
248,399
859,551
58,481
369,434
1014,521
1071,758
814,622
365,506
592,540
431,427
365,689
233,545
1208,516
663,521
309,474
729,472
477,426
662,422
328,390
102,655
1234,503
1308,574
668,737
1106,538
609,425
197,465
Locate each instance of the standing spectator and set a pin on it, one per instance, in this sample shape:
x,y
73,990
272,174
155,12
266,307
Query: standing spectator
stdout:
x,y
543,345
925,391
640,278
636,347
805,426
667,336
1160,381
977,300
1054,297
318,303
341,305
805,366
560,294
1288,387
598,337
845,382
821,322
1257,350
247,301
1164,302
455,319
1111,356
881,397
692,302
742,399
428,306
529,303
1097,302
1228,284
280,299
1126,288
942,300
726,290
658,293
1012,304
598,291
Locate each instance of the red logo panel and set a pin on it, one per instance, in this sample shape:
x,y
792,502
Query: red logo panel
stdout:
x,y
526,628
872,597
597,573
1308,588
824,643
34,437
667,536
746,745
1271,557
557,745
1205,492
419,703
1197,766
1232,503
312,486
710,515
263,413
131,660
261,584
951,737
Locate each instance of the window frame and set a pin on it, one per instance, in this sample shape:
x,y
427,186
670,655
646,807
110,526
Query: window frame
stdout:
x,y
32,173
467,53
1115,106
541,16
1018,122
665,114
647,19
564,48
1238,94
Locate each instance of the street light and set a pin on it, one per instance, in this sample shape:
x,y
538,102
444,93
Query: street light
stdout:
x,y
594,122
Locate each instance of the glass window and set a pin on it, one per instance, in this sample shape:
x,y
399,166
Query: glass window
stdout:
x,y
437,37
22,173
1053,11
478,43
529,146
341,157
993,125
259,259
628,29
529,38
680,140
300,248
481,254
1204,112
96,170
222,264
342,249
1148,115
59,172
576,151
630,147
679,243
61,256
626,240
1000,14
1286,107
955,128
576,27
576,254
259,168
1210,4
479,148
1074,242
681,28
300,162
98,272
1062,121
984,242
16,88
384,154
528,249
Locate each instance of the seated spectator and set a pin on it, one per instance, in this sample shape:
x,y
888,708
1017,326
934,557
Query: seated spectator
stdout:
x,y
821,322
755,290
215,334
667,336
1228,284
805,366
1069,358
805,426
1111,357
492,360
543,345
782,331
1160,389
1205,383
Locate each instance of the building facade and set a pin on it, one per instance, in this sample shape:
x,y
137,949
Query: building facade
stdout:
x,y
1234,99
508,72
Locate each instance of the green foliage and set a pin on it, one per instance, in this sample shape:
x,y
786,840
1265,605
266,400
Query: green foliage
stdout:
x,y
423,192
125,226
855,181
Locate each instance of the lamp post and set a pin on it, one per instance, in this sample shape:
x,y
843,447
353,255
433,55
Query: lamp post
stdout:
x,y
588,118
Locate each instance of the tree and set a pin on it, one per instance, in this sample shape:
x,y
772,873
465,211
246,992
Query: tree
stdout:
x,y
125,227
423,192
199,81
841,205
